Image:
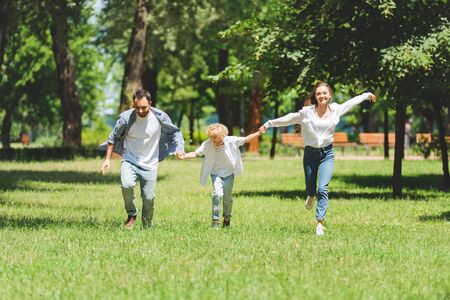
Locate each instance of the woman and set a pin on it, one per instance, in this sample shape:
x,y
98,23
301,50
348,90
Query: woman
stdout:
x,y
318,123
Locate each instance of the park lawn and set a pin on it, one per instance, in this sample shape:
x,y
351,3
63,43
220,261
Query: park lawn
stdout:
x,y
60,235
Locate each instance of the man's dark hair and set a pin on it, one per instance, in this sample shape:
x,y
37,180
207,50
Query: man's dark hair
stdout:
x,y
142,93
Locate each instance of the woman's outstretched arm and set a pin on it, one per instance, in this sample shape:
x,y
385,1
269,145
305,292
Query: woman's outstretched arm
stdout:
x,y
349,104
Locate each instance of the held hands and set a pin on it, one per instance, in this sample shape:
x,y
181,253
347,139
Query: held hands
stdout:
x,y
262,130
105,167
180,155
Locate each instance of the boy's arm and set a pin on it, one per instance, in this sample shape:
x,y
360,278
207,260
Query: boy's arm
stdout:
x,y
252,136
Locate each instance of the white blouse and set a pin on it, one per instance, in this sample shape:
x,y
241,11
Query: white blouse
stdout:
x,y
318,132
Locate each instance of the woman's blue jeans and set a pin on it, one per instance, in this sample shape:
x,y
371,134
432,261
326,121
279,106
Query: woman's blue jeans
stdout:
x,y
222,189
318,161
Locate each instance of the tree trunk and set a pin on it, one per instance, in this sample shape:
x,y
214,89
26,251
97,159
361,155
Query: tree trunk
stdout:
x,y
191,122
6,124
4,22
255,115
368,118
386,134
70,102
426,120
442,142
274,135
400,118
222,99
150,83
181,115
134,61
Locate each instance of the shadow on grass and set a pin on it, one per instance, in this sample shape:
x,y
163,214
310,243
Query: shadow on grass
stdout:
x,y
19,180
424,182
444,216
411,187
14,204
43,222
333,195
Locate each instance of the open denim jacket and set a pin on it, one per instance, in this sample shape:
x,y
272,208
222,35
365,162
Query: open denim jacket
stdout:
x,y
171,139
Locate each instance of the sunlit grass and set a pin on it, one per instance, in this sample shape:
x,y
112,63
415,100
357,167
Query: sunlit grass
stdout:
x,y
61,237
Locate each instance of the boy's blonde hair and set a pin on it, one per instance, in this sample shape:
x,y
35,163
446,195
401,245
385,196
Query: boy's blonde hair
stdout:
x,y
217,130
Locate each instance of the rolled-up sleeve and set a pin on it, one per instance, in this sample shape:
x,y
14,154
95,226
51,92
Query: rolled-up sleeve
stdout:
x,y
201,150
117,132
238,140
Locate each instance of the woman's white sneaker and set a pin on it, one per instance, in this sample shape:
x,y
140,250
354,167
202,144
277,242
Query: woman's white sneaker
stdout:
x,y
320,229
309,203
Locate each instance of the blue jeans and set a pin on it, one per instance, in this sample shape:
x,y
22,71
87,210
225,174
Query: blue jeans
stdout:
x,y
318,160
222,188
147,178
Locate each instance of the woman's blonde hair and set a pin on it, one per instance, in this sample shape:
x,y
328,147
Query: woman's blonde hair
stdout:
x,y
217,130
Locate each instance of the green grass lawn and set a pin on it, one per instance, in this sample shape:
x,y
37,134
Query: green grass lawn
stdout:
x,y
61,238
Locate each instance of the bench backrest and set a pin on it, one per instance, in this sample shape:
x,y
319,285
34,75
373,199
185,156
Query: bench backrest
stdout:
x,y
292,139
376,139
297,139
340,137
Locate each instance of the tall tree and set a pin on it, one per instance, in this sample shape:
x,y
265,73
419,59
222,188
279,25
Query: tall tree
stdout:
x,y
254,119
70,103
223,102
420,66
134,61
5,14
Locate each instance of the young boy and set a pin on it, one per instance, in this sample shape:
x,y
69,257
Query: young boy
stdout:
x,y
222,160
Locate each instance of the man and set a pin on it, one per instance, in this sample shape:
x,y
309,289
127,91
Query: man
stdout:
x,y
143,136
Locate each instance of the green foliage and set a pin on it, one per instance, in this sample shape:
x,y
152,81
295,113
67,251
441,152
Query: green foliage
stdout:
x,y
96,133
29,77
427,148
423,56
300,42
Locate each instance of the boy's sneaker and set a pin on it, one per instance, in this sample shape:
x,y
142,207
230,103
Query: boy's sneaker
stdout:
x,y
320,229
226,223
215,224
309,203
129,223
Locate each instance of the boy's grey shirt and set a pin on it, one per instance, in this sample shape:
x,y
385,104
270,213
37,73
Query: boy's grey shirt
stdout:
x,y
171,139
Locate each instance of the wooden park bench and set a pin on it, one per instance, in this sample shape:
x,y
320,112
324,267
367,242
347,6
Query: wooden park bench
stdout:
x,y
376,139
292,139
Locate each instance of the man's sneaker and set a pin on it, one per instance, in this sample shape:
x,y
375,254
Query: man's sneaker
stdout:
x,y
226,223
320,229
215,224
129,223
309,203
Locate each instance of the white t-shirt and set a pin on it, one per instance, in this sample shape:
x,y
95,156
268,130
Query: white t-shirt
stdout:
x,y
231,150
318,132
222,164
141,144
